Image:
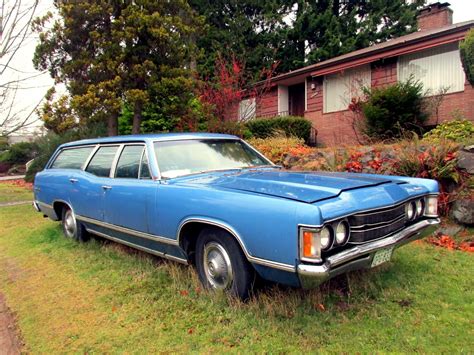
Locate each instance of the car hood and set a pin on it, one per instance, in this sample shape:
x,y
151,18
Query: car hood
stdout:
x,y
307,187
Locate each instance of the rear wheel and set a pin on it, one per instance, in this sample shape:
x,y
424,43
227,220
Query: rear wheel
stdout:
x,y
73,229
222,265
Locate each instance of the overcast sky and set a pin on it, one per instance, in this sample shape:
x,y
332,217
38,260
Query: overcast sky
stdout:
x,y
27,98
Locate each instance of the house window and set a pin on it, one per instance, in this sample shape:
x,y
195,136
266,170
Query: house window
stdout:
x,y
247,109
340,88
438,69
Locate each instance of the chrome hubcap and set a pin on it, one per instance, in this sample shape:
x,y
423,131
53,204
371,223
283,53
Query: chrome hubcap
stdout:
x,y
69,224
217,266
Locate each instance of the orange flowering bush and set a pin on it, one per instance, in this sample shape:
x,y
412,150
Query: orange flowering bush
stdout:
x,y
415,158
276,147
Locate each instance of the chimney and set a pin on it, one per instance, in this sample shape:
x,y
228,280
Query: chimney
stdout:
x,y
435,15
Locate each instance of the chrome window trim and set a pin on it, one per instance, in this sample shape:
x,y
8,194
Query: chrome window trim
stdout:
x,y
140,164
83,168
213,138
139,247
118,145
250,258
192,139
124,145
117,155
59,151
144,154
129,231
258,153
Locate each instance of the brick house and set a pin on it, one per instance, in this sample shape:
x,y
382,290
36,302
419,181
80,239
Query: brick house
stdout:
x,y
322,92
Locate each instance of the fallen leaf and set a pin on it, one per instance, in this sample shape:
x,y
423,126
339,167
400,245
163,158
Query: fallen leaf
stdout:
x,y
320,307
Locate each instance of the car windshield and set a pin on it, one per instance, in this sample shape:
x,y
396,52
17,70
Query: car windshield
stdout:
x,y
185,157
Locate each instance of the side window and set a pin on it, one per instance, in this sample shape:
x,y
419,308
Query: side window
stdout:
x,y
102,161
144,168
129,162
72,158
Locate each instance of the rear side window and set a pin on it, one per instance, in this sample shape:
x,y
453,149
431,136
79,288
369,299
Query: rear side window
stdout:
x,y
102,161
72,158
129,162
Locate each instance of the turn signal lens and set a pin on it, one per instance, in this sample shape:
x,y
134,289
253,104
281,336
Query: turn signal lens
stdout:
x,y
431,209
309,245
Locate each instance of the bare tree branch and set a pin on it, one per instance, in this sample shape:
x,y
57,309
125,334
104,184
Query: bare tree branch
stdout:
x,y
16,17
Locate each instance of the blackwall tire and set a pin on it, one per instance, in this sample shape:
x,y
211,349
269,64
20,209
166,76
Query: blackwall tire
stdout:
x,y
222,265
72,228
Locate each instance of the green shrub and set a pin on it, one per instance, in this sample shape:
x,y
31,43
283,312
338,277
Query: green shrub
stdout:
x,y
19,153
460,131
3,144
393,110
466,49
290,125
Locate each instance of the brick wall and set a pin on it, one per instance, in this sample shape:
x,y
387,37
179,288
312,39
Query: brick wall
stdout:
x,y
268,103
336,128
462,102
384,72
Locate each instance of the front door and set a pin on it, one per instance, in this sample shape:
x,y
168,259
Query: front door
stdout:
x,y
130,200
296,99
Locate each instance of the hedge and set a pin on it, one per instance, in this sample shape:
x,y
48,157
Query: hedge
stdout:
x,y
290,125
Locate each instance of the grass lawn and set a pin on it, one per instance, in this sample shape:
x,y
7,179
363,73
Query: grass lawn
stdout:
x,y
101,297
12,193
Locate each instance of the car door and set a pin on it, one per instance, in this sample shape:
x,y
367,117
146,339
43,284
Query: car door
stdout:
x,y
130,200
63,175
92,185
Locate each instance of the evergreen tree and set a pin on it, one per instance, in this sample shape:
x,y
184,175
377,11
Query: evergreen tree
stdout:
x,y
329,28
111,52
296,33
246,30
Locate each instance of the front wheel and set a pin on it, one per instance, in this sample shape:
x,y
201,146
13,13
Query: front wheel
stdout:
x,y
73,229
222,265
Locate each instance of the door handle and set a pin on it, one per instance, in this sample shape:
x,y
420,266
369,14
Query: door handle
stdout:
x,y
73,181
106,187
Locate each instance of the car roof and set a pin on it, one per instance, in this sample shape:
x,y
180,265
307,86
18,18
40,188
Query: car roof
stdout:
x,y
149,137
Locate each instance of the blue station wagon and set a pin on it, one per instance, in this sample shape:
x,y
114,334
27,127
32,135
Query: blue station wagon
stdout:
x,y
214,201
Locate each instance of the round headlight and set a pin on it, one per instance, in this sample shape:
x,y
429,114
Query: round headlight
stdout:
x,y
326,238
420,206
410,210
342,232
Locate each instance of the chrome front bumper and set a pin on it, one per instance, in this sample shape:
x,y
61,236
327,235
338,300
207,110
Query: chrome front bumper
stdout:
x,y
361,256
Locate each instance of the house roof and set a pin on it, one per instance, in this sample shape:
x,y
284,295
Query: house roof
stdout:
x,y
393,47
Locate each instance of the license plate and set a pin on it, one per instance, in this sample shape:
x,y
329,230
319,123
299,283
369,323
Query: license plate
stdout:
x,y
382,256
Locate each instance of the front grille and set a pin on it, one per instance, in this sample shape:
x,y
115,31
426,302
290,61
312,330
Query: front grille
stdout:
x,y
376,224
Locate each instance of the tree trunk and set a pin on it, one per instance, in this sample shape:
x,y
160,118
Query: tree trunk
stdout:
x,y
137,118
112,125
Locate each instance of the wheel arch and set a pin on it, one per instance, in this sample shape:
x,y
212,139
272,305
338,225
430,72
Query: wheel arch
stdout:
x,y
190,228
58,206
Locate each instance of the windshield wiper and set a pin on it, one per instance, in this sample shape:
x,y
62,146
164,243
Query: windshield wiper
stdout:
x,y
262,166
